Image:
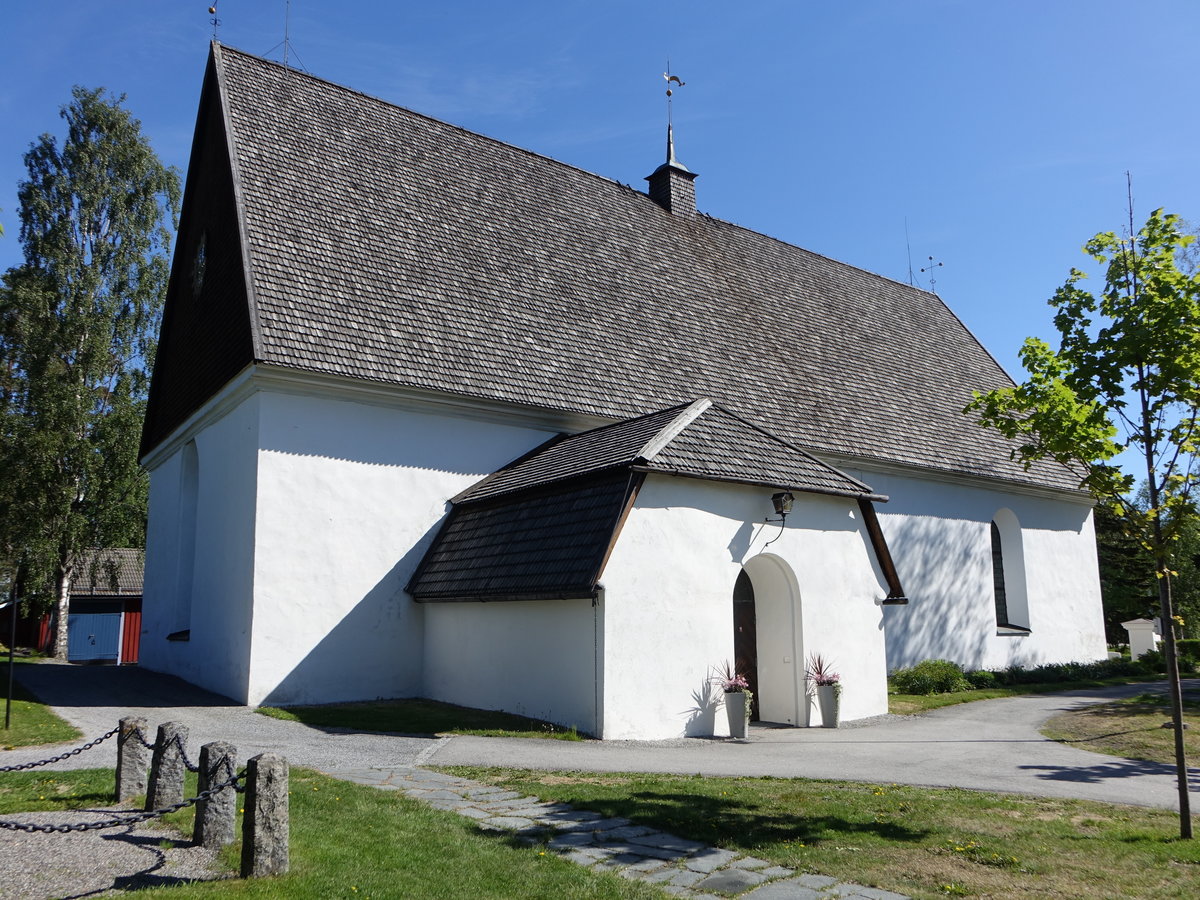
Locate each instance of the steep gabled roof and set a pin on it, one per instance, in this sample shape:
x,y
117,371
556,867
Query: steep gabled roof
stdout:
x,y
385,245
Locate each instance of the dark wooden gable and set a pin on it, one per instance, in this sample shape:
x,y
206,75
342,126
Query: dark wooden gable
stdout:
x,y
207,335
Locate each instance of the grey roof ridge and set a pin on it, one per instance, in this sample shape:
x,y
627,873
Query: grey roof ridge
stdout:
x,y
239,205
866,488
655,445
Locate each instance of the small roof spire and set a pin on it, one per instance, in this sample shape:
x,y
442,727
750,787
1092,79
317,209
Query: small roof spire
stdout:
x,y
671,183
671,160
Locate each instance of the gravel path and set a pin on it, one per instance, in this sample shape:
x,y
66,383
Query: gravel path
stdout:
x,y
96,863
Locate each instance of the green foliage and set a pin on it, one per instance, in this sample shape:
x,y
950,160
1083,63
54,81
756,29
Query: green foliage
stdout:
x,y
932,676
982,680
78,325
1189,653
1126,375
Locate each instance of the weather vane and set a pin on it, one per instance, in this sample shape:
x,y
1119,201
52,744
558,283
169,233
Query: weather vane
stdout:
x,y
671,79
929,268
216,23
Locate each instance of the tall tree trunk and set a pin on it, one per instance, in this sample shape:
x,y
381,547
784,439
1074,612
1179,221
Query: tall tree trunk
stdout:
x,y
62,588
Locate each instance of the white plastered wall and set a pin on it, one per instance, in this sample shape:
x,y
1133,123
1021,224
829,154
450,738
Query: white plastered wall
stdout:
x,y
219,621
668,606
535,658
350,495
939,533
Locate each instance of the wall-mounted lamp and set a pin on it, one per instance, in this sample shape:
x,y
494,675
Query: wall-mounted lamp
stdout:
x,y
783,505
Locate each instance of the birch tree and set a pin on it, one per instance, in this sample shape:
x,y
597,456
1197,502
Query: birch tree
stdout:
x,y
78,327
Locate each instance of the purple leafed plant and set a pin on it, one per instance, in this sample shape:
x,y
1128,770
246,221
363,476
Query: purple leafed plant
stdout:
x,y
730,681
820,671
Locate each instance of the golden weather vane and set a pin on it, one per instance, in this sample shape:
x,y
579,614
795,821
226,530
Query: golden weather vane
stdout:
x,y
216,23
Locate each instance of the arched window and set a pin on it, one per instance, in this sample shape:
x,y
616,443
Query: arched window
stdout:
x,y
1008,575
189,495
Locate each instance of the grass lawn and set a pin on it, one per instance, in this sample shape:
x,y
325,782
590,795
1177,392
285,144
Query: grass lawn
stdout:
x,y
350,841
918,841
1130,728
910,704
32,724
421,717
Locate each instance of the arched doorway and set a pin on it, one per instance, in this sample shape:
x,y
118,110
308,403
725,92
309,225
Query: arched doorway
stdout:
x,y
767,640
745,637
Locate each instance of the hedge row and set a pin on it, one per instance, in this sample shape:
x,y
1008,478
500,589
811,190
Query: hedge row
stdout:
x,y
940,676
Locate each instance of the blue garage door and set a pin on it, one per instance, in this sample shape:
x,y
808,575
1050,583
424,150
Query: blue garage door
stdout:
x,y
93,635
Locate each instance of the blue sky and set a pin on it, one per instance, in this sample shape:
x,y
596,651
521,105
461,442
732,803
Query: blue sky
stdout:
x,y
1000,131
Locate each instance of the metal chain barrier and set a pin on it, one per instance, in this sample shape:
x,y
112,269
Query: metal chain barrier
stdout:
x,y
132,818
191,767
67,755
141,738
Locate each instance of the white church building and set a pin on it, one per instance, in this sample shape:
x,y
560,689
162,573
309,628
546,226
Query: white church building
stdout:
x,y
435,416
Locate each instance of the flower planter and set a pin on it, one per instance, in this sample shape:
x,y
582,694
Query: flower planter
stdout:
x,y
735,708
827,702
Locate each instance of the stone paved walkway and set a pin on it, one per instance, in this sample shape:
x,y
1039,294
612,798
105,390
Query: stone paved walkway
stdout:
x,y
683,868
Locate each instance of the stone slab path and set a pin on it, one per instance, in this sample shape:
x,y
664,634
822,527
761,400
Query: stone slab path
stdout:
x,y
682,867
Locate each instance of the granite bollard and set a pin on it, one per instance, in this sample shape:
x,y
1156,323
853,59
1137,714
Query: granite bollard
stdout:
x,y
132,758
215,817
167,767
265,822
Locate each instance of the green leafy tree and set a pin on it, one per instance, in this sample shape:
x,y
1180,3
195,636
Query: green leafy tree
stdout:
x,y
78,325
1126,376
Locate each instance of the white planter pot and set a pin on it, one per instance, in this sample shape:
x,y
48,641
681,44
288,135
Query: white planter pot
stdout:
x,y
827,702
735,708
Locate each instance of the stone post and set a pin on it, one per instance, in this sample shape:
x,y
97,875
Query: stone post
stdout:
x,y
215,816
265,822
132,758
166,766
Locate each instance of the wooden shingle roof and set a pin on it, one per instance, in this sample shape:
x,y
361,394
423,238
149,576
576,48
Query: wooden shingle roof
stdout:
x,y
543,526
385,245
697,440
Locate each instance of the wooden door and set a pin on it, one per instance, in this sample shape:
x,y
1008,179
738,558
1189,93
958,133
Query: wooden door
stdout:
x,y
745,637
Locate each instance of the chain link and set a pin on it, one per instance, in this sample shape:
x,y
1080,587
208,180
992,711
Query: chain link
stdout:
x,y
141,738
133,818
67,755
178,742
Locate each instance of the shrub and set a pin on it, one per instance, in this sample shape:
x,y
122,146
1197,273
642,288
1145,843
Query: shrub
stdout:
x,y
933,676
1189,654
982,679
1153,661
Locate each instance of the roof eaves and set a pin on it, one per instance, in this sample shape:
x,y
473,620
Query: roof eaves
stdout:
x,y
256,339
867,494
